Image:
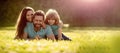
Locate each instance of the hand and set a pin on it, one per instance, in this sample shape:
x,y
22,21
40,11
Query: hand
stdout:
x,y
37,37
43,24
60,38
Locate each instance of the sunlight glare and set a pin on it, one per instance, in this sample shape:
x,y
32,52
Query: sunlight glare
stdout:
x,y
91,1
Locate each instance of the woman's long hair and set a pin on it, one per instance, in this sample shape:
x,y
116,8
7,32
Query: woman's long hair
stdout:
x,y
22,22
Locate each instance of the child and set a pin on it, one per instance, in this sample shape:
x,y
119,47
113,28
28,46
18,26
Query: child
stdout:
x,y
53,19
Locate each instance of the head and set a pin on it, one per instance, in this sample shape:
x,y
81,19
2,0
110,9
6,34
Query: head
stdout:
x,y
29,15
52,17
24,16
38,18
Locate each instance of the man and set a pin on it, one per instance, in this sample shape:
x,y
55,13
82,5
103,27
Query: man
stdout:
x,y
38,29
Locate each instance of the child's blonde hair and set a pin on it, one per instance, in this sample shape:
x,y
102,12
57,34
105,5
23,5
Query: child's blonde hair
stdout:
x,y
52,14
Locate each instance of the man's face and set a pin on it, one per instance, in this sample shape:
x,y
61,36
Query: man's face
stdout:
x,y
37,21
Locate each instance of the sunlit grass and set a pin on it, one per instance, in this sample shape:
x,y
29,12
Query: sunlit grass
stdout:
x,y
84,40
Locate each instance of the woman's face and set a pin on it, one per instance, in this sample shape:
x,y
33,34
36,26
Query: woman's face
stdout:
x,y
51,21
29,16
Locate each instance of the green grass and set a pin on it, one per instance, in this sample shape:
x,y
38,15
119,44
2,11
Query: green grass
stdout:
x,y
84,40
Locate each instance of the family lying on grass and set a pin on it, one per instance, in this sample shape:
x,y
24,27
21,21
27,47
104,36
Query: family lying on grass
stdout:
x,y
38,25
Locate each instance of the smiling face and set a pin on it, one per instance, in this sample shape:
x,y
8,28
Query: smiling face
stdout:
x,y
29,15
51,21
37,21
52,17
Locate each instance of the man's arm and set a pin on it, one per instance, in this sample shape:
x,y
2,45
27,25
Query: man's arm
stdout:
x,y
37,37
49,33
51,36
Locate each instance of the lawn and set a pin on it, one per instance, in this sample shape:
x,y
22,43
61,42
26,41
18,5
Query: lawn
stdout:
x,y
84,40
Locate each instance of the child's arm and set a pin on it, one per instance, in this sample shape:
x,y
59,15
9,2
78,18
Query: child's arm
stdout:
x,y
59,33
60,30
60,24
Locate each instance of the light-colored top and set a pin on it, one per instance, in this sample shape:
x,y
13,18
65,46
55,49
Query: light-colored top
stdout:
x,y
55,29
29,29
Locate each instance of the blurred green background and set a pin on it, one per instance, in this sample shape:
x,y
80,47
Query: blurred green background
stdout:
x,y
73,12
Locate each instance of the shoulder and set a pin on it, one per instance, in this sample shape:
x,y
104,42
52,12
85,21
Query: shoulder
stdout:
x,y
48,26
29,23
60,24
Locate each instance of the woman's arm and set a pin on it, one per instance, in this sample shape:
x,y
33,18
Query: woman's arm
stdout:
x,y
25,35
16,37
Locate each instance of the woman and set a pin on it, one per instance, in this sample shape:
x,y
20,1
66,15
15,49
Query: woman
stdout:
x,y
25,16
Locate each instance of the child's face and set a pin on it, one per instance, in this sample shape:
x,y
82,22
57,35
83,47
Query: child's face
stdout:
x,y
51,21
